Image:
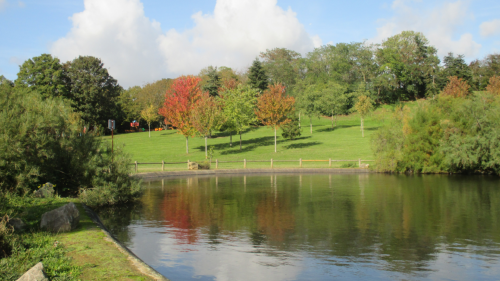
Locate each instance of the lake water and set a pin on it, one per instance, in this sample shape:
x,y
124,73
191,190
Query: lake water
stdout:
x,y
316,227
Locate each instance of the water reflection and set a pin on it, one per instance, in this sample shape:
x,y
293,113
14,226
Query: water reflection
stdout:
x,y
316,227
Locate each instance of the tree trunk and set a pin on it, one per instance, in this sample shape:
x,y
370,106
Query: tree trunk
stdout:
x,y
311,124
299,119
335,120
240,140
231,139
187,146
274,139
332,119
206,154
362,131
149,129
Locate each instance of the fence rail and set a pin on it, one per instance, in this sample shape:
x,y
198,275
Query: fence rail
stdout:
x,y
244,161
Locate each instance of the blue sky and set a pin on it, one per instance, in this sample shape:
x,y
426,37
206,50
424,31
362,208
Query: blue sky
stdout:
x,y
142,41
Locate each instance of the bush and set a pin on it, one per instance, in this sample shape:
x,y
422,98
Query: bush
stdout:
x,y
494,86
456,87
43,141
291,130
445,135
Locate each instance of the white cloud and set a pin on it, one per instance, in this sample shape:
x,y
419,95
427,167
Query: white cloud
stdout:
x,y
136,51
490,28
3,4
440,25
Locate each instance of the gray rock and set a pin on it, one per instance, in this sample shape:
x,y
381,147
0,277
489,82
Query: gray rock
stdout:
x,y
193,166
62,219
46,191
35,273
17,224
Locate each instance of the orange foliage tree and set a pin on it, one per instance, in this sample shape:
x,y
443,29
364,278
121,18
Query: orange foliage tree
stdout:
x,y
179,102
274,107
206,114
494,85
456,87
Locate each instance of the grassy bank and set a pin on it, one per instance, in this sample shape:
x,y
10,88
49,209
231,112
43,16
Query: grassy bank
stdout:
x,y
343,142
82,254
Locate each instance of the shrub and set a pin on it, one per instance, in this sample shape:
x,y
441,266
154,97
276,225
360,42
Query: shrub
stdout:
x,y
456,87
494,86
291,130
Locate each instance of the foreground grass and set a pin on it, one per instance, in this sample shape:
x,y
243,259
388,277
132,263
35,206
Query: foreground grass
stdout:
x,y
343,142
82,254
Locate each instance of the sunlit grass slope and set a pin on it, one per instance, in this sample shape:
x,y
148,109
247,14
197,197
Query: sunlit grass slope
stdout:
x,y
343,142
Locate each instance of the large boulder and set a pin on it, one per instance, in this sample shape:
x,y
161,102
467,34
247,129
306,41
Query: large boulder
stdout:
x,y
46,191
62,219
35,273
18,224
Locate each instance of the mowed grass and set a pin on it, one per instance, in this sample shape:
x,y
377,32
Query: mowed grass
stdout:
x,y
343,142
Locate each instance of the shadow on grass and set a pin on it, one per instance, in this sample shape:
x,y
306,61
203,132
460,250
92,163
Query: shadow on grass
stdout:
x,y
372,128
247,145
330,129
234,133
302,145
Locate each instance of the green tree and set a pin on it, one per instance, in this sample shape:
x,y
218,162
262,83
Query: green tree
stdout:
x,y
94,93
454,66
257,76
281,65
409,59
309,102
45,75
213,82
239,106
334,100
127,101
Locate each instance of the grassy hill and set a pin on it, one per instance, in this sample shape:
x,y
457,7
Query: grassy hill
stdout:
x,y
343,142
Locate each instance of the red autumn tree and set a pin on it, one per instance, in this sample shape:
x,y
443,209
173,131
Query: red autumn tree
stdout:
x,y
274,107
179,102
205,115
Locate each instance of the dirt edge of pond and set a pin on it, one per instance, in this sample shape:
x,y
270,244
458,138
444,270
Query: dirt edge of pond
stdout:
x,y
154,175
136,261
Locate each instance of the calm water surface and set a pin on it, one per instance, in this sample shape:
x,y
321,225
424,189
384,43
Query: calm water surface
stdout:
x,y
316,227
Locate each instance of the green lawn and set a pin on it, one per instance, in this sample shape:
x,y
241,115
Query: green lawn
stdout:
x,y
344,142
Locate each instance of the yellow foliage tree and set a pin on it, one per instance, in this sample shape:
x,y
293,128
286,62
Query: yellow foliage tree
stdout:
x,y
149,114
456,87
363,107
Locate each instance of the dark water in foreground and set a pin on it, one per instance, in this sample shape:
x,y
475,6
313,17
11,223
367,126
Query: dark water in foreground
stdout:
x,y
316,227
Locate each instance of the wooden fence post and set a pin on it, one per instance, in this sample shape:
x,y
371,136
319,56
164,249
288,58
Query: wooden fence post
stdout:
x,y
329,162
162,165
136,166
216,163
300,162
359,162
271,163
188,164
244,163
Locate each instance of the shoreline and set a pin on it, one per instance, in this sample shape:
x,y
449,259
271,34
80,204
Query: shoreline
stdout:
x,y
164,174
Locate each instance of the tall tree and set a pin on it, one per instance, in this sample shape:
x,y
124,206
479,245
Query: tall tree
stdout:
x,y
179,101
363,106
454,66
94,93
257,76
408,58
45,75
239,105
274,107
149,114
206,113
128,103
281,65
213,82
